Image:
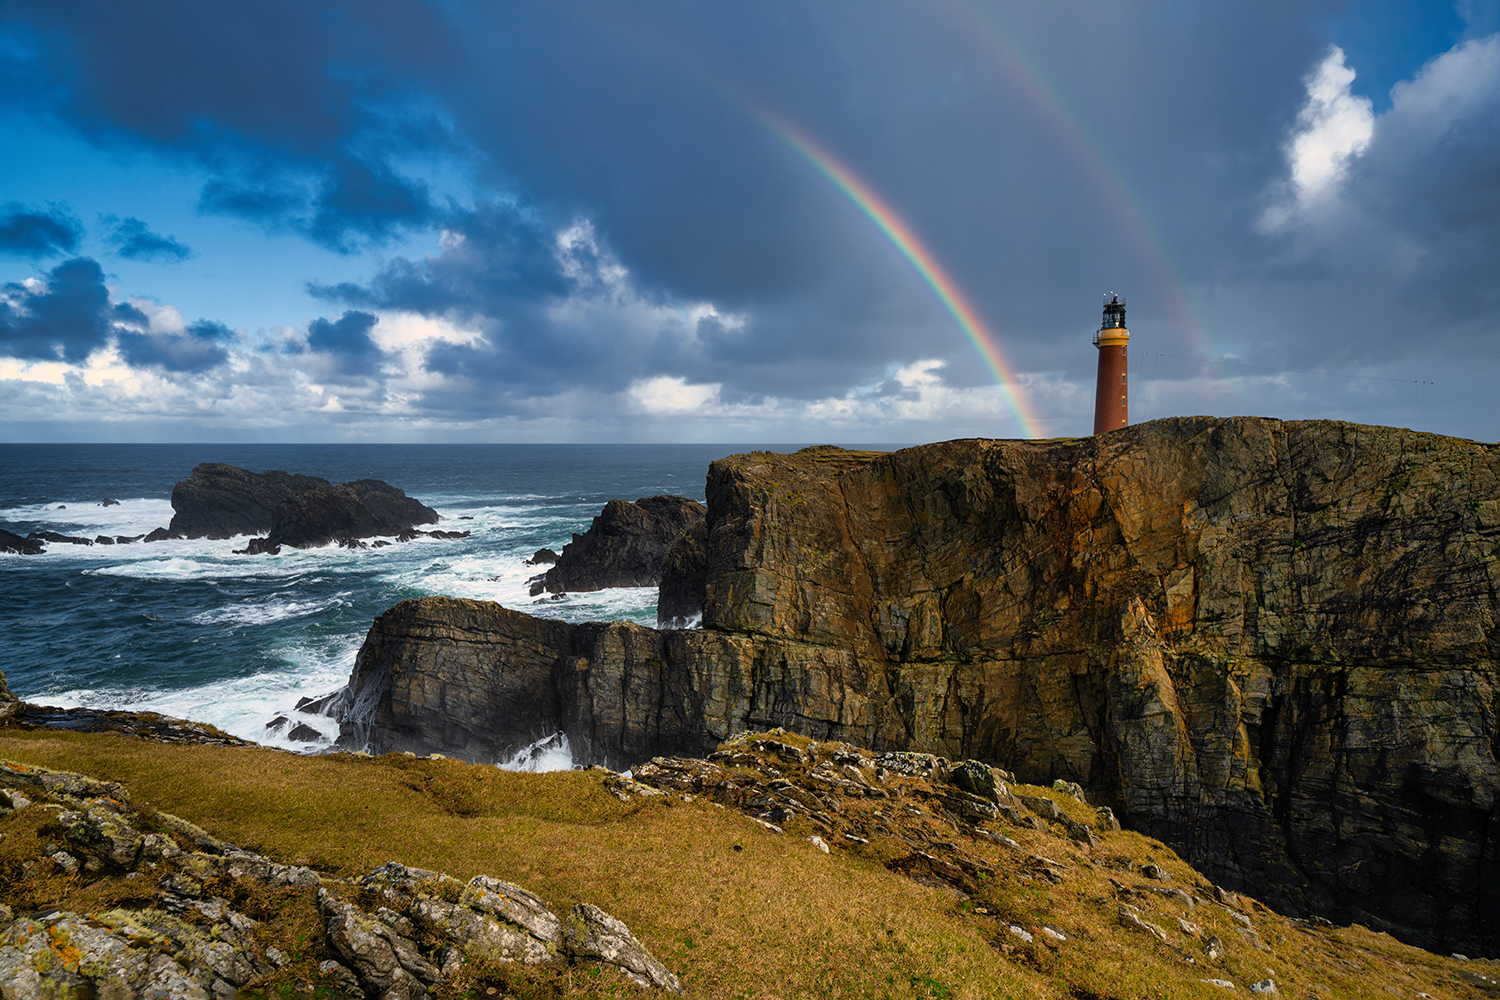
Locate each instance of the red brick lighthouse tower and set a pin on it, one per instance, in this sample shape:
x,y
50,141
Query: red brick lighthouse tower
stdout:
x,y
1111,409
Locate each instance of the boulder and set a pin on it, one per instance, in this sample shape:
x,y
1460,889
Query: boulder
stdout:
x,y
624,547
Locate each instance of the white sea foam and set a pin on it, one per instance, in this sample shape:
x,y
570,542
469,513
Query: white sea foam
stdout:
x,y
260,612
87,519
242,706
550,753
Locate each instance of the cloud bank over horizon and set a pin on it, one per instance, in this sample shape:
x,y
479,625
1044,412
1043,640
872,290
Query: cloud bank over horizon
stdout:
x,y
401,221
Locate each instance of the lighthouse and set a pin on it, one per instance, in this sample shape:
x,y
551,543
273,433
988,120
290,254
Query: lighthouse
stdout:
x,y
1111,406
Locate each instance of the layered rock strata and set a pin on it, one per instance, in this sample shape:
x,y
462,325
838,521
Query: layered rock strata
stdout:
x,y
179,935
1271,644
624,547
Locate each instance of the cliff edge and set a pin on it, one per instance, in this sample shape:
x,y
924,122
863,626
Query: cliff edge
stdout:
x,y
1271,644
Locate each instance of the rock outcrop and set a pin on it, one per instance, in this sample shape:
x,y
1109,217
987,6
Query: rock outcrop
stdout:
x,y
347,512
177,932
1271,644
684,579
624,547
221,501
12,542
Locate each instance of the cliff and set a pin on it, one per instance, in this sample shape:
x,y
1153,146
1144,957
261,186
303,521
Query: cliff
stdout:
x,y
1271,644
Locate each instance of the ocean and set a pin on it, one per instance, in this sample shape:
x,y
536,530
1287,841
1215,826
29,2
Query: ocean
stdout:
x,y
191,630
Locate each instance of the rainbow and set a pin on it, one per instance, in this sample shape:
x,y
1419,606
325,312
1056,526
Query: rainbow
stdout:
x,y
987,28
921,259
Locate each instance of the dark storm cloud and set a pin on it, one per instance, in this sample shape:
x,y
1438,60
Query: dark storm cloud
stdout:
x,y
66,319
1042,157
268,97
133,239
32,232
348,339
353,203
200,348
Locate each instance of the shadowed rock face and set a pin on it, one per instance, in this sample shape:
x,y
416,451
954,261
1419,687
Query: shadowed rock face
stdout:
x,y
624,547
1271,644
221,501
361,509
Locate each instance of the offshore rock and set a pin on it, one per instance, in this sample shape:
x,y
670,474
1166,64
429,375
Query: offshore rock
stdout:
x,y
624,547
221,501
1270,644
361,509
11,542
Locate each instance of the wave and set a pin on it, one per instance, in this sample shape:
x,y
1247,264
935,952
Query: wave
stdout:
x,y
259,612
242,706
88,519
550,753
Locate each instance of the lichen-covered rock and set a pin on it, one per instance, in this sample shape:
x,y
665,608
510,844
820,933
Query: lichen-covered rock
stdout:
x,y
10,705
592,933
386,962
187,943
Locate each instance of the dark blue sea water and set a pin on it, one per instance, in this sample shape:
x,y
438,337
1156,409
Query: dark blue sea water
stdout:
x,y
189,629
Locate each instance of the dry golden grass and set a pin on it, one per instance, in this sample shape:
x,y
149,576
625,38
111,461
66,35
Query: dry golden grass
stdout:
x,y
736,911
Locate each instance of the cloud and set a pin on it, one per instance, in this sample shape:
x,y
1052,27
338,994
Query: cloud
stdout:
x,y
1333,127
32,232
133,239
197,348
64,317
350,204
348,339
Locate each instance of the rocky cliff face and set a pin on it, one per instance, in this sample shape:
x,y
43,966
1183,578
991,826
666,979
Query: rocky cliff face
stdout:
x,y
1271,644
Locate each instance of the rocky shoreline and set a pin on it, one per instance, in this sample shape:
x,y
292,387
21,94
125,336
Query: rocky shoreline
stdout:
x,y
1271,644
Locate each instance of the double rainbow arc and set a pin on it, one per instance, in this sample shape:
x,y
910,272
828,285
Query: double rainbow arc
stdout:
x,y
900,235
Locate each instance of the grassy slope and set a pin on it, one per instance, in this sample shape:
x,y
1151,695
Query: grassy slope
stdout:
x,y
735,910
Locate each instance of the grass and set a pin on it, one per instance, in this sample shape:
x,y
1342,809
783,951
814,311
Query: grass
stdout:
x,y
734,910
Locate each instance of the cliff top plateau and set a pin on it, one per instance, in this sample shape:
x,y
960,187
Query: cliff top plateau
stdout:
x,y
776,866
1270,644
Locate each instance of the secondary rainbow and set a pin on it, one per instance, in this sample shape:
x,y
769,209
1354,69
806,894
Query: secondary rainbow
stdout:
x,y
921,259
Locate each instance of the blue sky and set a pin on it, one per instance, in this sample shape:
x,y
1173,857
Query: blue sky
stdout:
x,y
475,222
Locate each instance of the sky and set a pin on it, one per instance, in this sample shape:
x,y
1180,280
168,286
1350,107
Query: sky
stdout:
x,y
859,221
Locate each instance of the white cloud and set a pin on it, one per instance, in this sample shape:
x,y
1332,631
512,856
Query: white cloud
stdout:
x,y
1333,127
671,394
